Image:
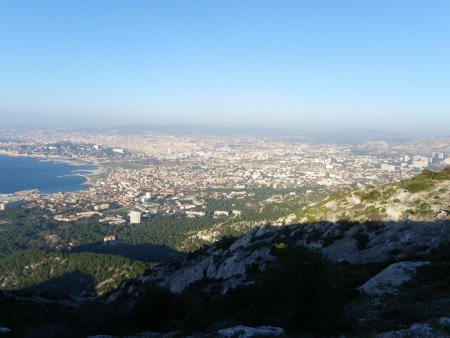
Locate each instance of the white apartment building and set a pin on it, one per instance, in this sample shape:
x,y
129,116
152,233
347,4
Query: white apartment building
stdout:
x,y
135,217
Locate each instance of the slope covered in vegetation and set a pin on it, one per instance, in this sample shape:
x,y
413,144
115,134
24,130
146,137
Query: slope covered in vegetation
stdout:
x,y
62,275
424,197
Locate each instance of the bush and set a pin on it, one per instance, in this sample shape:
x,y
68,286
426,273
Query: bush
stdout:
x,y
374,195
302,291
361,240
418,187
154,307
441,253
436,175
225,242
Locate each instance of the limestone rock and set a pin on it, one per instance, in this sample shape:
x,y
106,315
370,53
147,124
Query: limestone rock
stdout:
x,y
246,331
390,279
414,331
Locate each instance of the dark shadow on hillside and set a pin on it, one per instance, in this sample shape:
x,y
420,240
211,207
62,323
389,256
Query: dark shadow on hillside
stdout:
x,y
145,252
353,242
74,283
280,298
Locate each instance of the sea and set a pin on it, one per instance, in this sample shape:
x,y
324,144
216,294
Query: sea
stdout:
x,y
26,173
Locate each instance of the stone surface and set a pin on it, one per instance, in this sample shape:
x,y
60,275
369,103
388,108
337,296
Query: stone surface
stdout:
x,y
242,331
390,279
445,321
228,267
414,331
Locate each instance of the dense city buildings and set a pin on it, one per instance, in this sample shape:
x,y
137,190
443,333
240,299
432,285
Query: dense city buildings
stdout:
x,y
160,174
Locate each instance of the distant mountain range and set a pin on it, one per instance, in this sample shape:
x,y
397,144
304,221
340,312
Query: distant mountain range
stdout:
x,y
341,137
355,136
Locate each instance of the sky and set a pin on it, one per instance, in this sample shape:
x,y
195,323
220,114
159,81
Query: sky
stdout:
x,y
304,64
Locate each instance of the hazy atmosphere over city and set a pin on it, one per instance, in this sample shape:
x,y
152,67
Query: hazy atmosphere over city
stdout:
x,y
251,168
309,65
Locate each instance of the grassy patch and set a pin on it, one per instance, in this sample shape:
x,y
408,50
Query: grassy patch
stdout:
x,y
418,186
425,180
371,196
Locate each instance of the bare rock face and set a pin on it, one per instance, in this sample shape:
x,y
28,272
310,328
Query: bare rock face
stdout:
x,y
390,279
174,334
229,265
246,331
444,321
387,240
414,331
382,240
181,278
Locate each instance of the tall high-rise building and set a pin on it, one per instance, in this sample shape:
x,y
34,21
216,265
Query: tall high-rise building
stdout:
x,y
2,206
437,156
135,217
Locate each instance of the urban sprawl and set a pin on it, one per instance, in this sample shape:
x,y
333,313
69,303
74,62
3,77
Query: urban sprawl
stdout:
x,y
155,174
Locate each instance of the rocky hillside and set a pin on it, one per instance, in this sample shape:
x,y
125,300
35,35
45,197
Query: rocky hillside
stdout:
x,y
231,262
377,277
385,266
385,262
422,146
424,197
380,224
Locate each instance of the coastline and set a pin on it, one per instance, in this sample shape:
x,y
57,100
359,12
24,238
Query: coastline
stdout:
x,y
90,178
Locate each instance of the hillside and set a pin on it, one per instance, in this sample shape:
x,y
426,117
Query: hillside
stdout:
x,y
374,272
378,265
57,274
230,261
424,197
377,278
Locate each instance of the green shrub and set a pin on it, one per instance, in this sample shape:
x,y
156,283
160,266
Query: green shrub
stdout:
x,y
436,175
225,242
418,187
302,291
374,195
280,246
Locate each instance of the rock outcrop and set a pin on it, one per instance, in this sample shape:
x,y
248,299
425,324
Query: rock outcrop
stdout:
x,y
390,279
229,266
414,331
247,332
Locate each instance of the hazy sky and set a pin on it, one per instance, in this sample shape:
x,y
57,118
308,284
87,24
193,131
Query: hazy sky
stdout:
x,y
298,64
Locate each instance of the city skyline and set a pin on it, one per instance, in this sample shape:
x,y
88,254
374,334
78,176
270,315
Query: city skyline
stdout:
x,y
298,65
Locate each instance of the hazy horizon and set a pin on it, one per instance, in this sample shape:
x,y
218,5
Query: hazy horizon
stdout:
x,y
357,135
307,65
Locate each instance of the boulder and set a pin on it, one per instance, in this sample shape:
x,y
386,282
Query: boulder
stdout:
x,y
390,279
414,331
